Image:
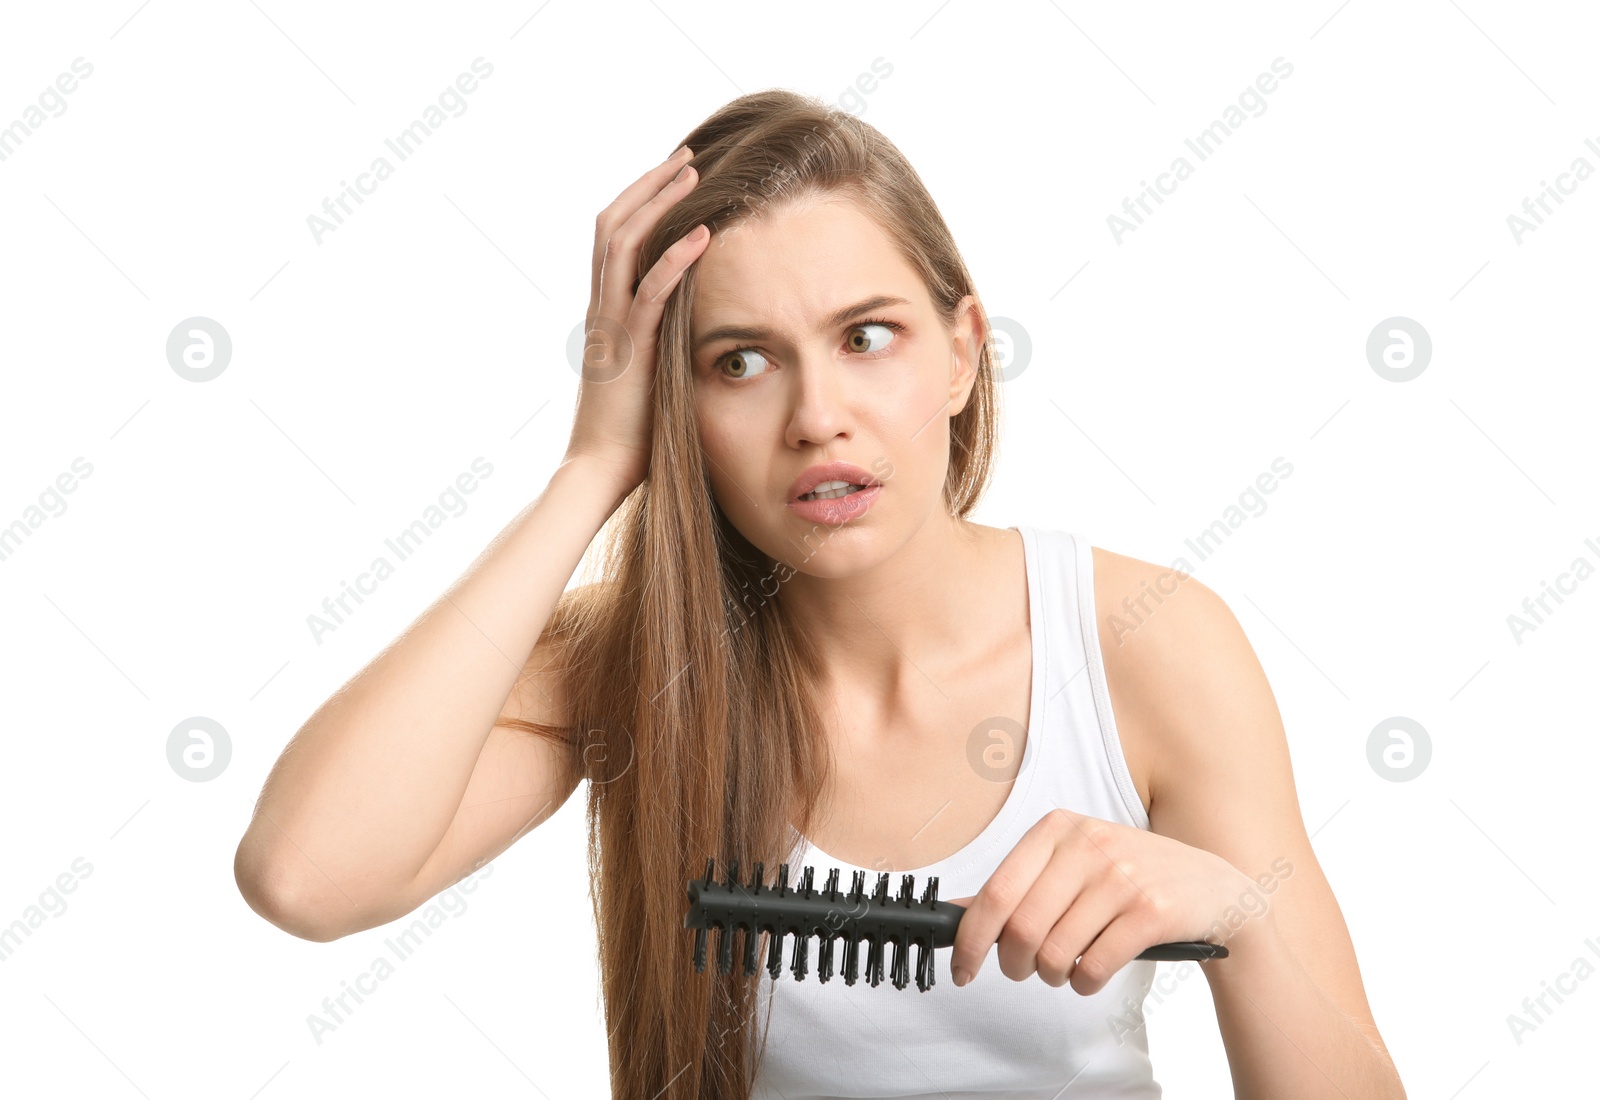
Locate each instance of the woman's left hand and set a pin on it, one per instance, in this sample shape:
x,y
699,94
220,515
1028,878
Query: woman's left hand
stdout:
x,y
1076,886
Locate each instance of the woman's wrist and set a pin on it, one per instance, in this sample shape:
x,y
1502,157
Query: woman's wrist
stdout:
x,y
605,478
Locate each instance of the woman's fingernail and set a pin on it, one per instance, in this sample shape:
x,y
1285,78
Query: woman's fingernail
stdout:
x,y
679,155
961,975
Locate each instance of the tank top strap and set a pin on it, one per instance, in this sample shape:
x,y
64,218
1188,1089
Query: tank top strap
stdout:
x,y
1085,769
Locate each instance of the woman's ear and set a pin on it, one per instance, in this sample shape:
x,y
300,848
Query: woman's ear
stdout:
x,y
966,341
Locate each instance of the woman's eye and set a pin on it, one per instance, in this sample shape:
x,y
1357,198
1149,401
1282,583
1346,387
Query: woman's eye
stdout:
x,y
859,343
747,362
741,361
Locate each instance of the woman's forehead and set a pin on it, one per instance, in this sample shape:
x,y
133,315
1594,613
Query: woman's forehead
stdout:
x,y
807,264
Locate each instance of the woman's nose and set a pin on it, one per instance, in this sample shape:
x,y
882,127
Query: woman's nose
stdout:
x,y
820,396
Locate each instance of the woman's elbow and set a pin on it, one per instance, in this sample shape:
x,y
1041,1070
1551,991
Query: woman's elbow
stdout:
x,y
279,897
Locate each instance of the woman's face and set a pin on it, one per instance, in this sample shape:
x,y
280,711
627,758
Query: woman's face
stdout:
x,y
804,382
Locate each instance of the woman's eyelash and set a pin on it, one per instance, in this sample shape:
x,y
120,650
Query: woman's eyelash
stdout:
x,y
884,321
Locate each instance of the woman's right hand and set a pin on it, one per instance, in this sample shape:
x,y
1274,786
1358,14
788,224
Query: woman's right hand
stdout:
x,y
614,417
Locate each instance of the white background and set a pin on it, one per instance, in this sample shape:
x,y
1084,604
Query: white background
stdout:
x,y
1168,371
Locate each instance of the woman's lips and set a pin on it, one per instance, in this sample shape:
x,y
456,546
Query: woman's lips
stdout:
x,y
837,510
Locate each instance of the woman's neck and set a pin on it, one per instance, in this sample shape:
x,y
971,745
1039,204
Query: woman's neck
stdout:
x,y
883,626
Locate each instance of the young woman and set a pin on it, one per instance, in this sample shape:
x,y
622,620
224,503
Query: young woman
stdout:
x,y
802,650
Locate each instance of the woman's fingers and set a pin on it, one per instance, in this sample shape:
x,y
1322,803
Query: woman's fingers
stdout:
x,y
614,418
650,302
999,897
620,263
1055,903
623,207
1080,930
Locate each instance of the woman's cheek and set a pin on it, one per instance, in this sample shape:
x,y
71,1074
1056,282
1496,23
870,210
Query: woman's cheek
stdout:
x,y
707,426
718,451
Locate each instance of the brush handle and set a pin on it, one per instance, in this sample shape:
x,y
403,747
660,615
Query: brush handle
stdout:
x,y
853,916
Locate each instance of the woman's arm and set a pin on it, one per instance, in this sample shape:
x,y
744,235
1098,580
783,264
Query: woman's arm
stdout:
x,y
1187,688
402,782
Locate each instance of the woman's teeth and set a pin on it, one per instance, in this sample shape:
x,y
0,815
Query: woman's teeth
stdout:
x,y
823,492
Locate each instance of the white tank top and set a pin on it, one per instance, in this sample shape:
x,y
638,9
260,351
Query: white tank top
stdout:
x,y
994,1036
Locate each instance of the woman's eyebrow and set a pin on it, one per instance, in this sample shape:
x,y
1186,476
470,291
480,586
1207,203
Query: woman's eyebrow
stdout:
x,y
833,320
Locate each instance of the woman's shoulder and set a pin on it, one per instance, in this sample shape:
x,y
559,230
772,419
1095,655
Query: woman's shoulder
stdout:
x,y
1168,642
1131,593
1153,617
1146,585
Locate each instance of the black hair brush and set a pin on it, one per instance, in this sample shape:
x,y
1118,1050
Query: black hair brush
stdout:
x,y
852,917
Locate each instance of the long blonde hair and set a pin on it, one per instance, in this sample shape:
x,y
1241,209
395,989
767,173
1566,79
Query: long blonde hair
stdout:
x,y
690,693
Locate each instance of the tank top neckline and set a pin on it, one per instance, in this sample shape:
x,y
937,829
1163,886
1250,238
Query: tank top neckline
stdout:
x,y
978,846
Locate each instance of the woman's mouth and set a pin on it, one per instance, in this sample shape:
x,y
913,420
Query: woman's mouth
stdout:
x,y
832,490
836,503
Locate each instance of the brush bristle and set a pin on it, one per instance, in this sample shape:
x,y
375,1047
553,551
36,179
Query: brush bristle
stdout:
x,y
829,915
